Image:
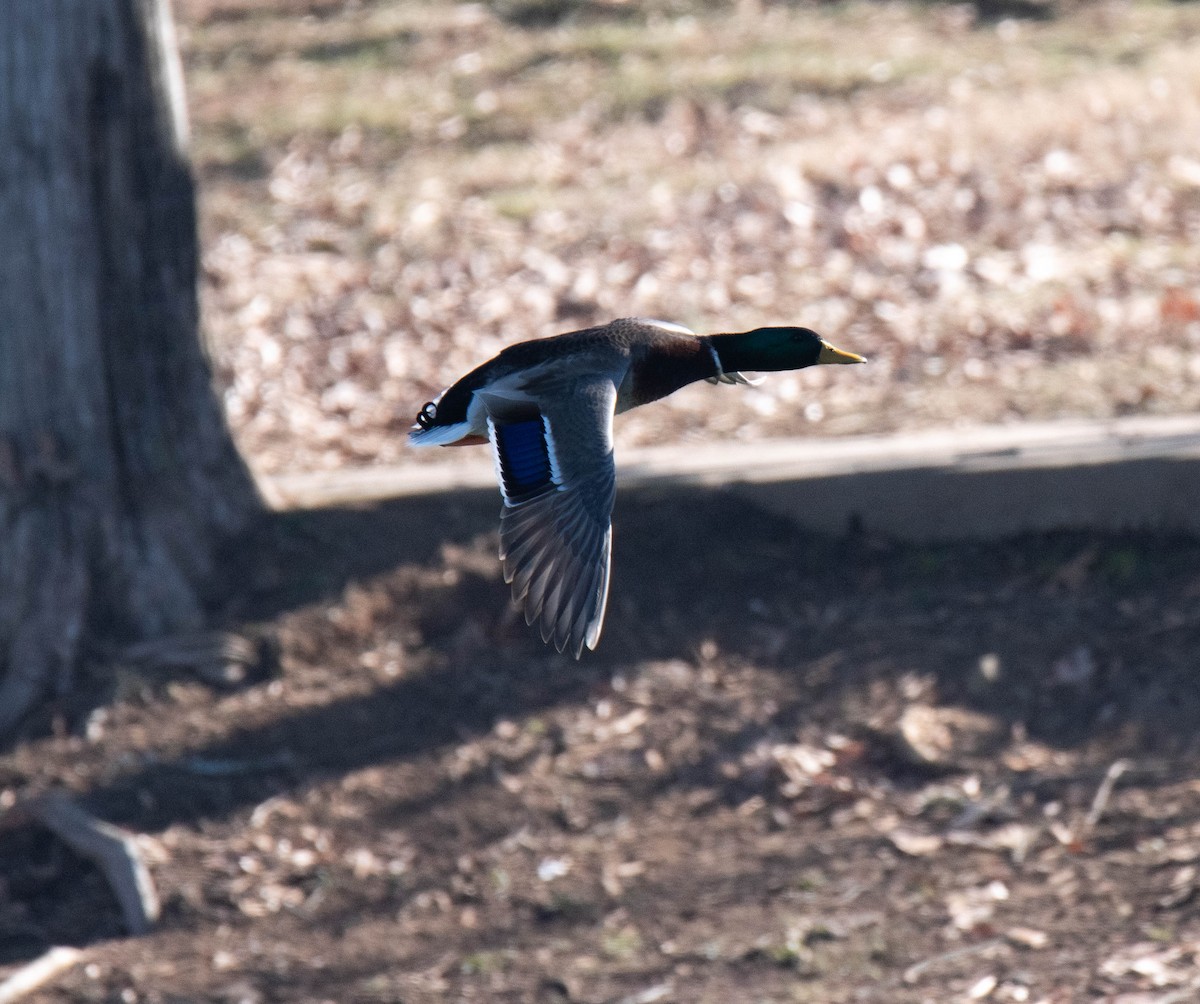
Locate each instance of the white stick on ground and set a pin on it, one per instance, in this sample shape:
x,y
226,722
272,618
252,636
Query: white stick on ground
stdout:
x,y
41,970
1104,792
115,852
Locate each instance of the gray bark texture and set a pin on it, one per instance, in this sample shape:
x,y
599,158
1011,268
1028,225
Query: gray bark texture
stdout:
x,y
118,479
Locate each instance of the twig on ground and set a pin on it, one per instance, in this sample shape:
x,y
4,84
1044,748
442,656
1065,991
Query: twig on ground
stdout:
x,y
1104,793
115,852
915,971
41,970
650,995
223,658
233,767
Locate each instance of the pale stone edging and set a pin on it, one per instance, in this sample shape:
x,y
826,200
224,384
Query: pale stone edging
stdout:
x,y
970,482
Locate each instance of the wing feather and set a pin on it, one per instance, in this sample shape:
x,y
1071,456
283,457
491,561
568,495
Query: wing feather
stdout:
x,y
555,527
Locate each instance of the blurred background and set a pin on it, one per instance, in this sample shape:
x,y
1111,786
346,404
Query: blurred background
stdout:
x,y
816,766
999,204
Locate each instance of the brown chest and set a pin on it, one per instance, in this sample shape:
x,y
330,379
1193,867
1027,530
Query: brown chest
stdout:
x,y
662,370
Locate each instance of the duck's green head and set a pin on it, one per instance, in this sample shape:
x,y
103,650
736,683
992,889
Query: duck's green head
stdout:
x,y
767,349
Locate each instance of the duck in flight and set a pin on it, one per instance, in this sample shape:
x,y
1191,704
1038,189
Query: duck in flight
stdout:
x,y
546,407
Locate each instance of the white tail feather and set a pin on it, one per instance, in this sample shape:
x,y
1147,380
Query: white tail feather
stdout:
x,y
439,435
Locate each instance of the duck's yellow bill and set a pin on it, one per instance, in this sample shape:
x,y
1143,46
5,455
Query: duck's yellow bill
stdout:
x,y
829,354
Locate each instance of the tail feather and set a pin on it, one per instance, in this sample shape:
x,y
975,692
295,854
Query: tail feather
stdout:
x,y
439,435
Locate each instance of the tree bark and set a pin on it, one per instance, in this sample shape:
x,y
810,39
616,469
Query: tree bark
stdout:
x,y
118,479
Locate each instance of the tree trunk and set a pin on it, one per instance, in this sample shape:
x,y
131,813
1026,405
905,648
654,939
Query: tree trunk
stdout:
x,y
118,479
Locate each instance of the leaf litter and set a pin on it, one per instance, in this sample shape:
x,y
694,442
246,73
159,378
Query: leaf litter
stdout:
x,y
751,788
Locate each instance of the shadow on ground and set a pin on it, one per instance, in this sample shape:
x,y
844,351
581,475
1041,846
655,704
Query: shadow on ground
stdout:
x,y
766,708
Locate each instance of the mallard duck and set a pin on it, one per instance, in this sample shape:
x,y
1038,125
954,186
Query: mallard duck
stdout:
x,y
546,406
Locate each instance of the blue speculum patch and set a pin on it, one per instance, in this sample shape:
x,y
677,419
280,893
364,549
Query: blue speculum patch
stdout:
x,y
524,459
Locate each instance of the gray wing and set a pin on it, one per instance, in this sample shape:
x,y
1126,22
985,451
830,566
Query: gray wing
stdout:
x,y
554,461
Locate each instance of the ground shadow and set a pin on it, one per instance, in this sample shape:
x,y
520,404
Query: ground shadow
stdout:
x,y
1089,633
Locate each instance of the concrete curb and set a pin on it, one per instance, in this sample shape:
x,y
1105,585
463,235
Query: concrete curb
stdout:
x,y
971,482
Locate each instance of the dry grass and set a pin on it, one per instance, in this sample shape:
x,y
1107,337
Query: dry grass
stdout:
x,y
1004,216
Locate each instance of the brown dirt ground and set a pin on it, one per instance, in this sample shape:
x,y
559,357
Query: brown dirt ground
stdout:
x,y
799,768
